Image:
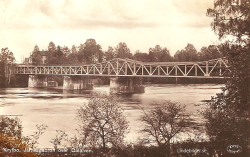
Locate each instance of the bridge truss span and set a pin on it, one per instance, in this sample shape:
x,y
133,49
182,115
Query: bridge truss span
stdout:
x,y
128,67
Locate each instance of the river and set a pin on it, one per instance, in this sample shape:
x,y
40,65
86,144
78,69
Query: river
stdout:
x,y
57,108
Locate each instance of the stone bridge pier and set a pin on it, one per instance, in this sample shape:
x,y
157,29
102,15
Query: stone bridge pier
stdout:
x,y
77,83
41,81
124,85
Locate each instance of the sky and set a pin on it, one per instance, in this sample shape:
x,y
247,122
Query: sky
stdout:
x,y
141,24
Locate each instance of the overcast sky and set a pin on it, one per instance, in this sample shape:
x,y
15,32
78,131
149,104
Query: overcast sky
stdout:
x,y
141,24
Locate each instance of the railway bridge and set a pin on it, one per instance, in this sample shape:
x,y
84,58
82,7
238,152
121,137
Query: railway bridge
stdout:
x,y
125,74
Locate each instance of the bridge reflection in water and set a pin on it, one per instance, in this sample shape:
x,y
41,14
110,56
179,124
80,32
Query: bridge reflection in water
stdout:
x,y
124,73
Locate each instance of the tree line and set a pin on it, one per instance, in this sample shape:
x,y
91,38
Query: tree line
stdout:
x,y
91,52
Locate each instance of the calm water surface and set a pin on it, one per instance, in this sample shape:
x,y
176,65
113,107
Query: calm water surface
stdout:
x,y
57,108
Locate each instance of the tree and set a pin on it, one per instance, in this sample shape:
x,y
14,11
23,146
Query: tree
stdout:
x,y
208,53
191,52
59,52
187,54
144,57
90,52
52,58
122,51
51,47
11,138
66,50
73,59
231,17
36,56
102,123
36,49
159,54
81,55
224,126
164,122
151,55
7,59
2,75
11,126
109,54
165,56
58,56
232,107
238,78
179,55
73,49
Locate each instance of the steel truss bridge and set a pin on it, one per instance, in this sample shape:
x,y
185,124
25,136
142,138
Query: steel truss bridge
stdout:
x,y
128,67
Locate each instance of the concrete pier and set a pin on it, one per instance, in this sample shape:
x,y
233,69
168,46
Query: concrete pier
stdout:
x,y
77,83
126,85
37,81
40,81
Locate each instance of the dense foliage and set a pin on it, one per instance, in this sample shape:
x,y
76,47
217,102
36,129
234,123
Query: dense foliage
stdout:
x,y
7,61
231,17
12,143
227,115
